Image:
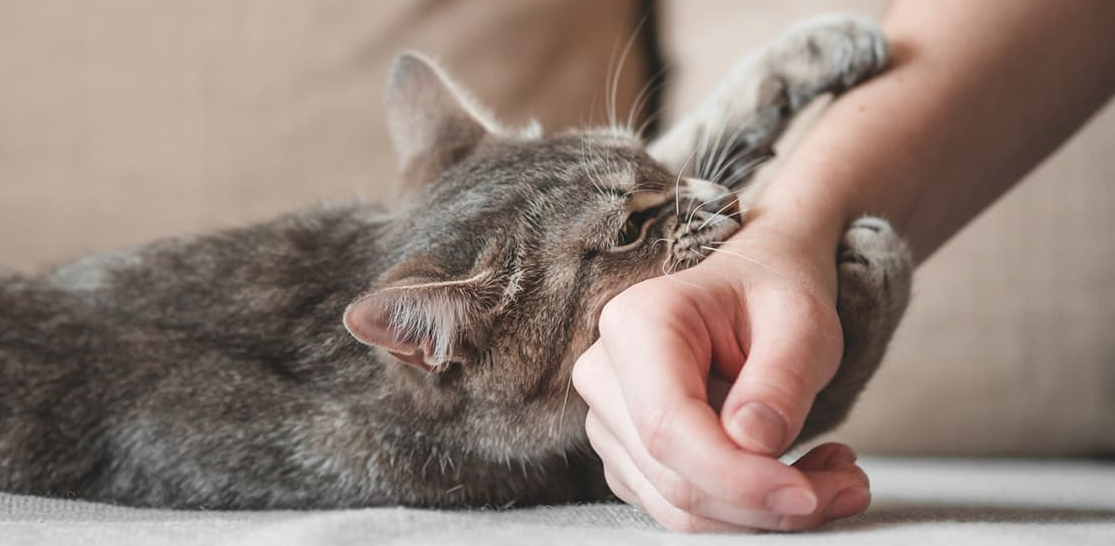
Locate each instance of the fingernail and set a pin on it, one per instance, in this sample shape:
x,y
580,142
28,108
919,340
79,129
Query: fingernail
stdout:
x,y
842,457
791,500
760,426
849,502
863,475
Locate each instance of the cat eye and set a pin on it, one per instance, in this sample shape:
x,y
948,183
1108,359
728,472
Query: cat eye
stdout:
x,y
634,228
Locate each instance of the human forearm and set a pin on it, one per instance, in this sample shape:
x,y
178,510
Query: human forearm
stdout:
x,y
977,94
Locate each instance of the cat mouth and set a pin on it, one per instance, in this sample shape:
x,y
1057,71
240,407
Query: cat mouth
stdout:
x,y
701,230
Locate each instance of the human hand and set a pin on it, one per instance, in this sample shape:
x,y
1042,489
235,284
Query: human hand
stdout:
x,y
751,333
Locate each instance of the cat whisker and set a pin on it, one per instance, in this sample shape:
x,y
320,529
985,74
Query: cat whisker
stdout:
x,y
564,403
677,185
640,132
715,150
730,151
730,148
705,146
679,263
715,153
719,214
612,87
596,182
694,210
725,157
597,162
663,267
745,171
746,258
668,273
650,118
629,193
654,85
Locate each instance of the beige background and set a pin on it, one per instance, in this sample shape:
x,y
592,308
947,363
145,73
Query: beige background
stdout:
x,y
126,120
122,121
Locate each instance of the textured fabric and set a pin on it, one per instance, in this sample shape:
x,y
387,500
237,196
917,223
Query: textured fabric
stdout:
x,y
1006,347
917,501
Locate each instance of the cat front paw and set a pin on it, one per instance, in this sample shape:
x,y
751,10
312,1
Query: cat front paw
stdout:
x,y
875,270
829,54
874,266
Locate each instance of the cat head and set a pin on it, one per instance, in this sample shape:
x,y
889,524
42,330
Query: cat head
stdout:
x,y
509,243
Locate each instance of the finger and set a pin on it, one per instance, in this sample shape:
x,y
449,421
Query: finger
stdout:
x,y
626,479
620,489
615,467
612,435
842,492
628,484
794,351
671,421
850,499
825,456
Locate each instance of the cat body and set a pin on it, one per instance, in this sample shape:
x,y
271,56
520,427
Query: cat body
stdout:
x,y
351,355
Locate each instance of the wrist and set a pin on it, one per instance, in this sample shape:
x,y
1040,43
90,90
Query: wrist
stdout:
x,y
795,226
782,242
799,211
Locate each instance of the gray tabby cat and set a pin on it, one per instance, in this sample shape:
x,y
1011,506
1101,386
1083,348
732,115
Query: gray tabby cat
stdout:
x,y
351,356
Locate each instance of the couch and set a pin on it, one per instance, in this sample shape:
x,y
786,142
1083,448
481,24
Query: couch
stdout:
x,y
122,121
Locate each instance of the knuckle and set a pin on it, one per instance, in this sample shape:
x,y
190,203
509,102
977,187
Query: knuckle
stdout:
x,y
592,429
600,440
657,431
615,314
642,301
785,390
678,492
582,377
618,488
791,382
615,308
788,387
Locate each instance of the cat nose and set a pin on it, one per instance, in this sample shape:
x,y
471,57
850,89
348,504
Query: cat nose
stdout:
x,y
709,196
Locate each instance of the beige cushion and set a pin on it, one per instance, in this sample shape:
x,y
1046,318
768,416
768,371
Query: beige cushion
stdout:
x,y
1007,347
123,121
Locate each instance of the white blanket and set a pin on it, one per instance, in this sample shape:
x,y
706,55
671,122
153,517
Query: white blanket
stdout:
x,y
917,501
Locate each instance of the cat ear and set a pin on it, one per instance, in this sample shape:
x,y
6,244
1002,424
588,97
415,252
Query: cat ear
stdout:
x,y
426,322
433,123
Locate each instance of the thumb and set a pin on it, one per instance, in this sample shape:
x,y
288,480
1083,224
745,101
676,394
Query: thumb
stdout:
x,y
795,347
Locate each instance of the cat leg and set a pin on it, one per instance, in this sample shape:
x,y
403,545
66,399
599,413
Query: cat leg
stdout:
x,y
874,271
735,127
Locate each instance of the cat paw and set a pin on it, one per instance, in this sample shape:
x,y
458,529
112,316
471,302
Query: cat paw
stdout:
x,y
874,265
830,53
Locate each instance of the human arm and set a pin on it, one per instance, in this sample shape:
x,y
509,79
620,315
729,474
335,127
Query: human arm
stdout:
x,y
978,93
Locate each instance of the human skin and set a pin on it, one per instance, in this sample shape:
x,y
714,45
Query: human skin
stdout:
x,y
977,94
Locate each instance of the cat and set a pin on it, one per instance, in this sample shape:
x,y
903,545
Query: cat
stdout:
x,y
351,355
